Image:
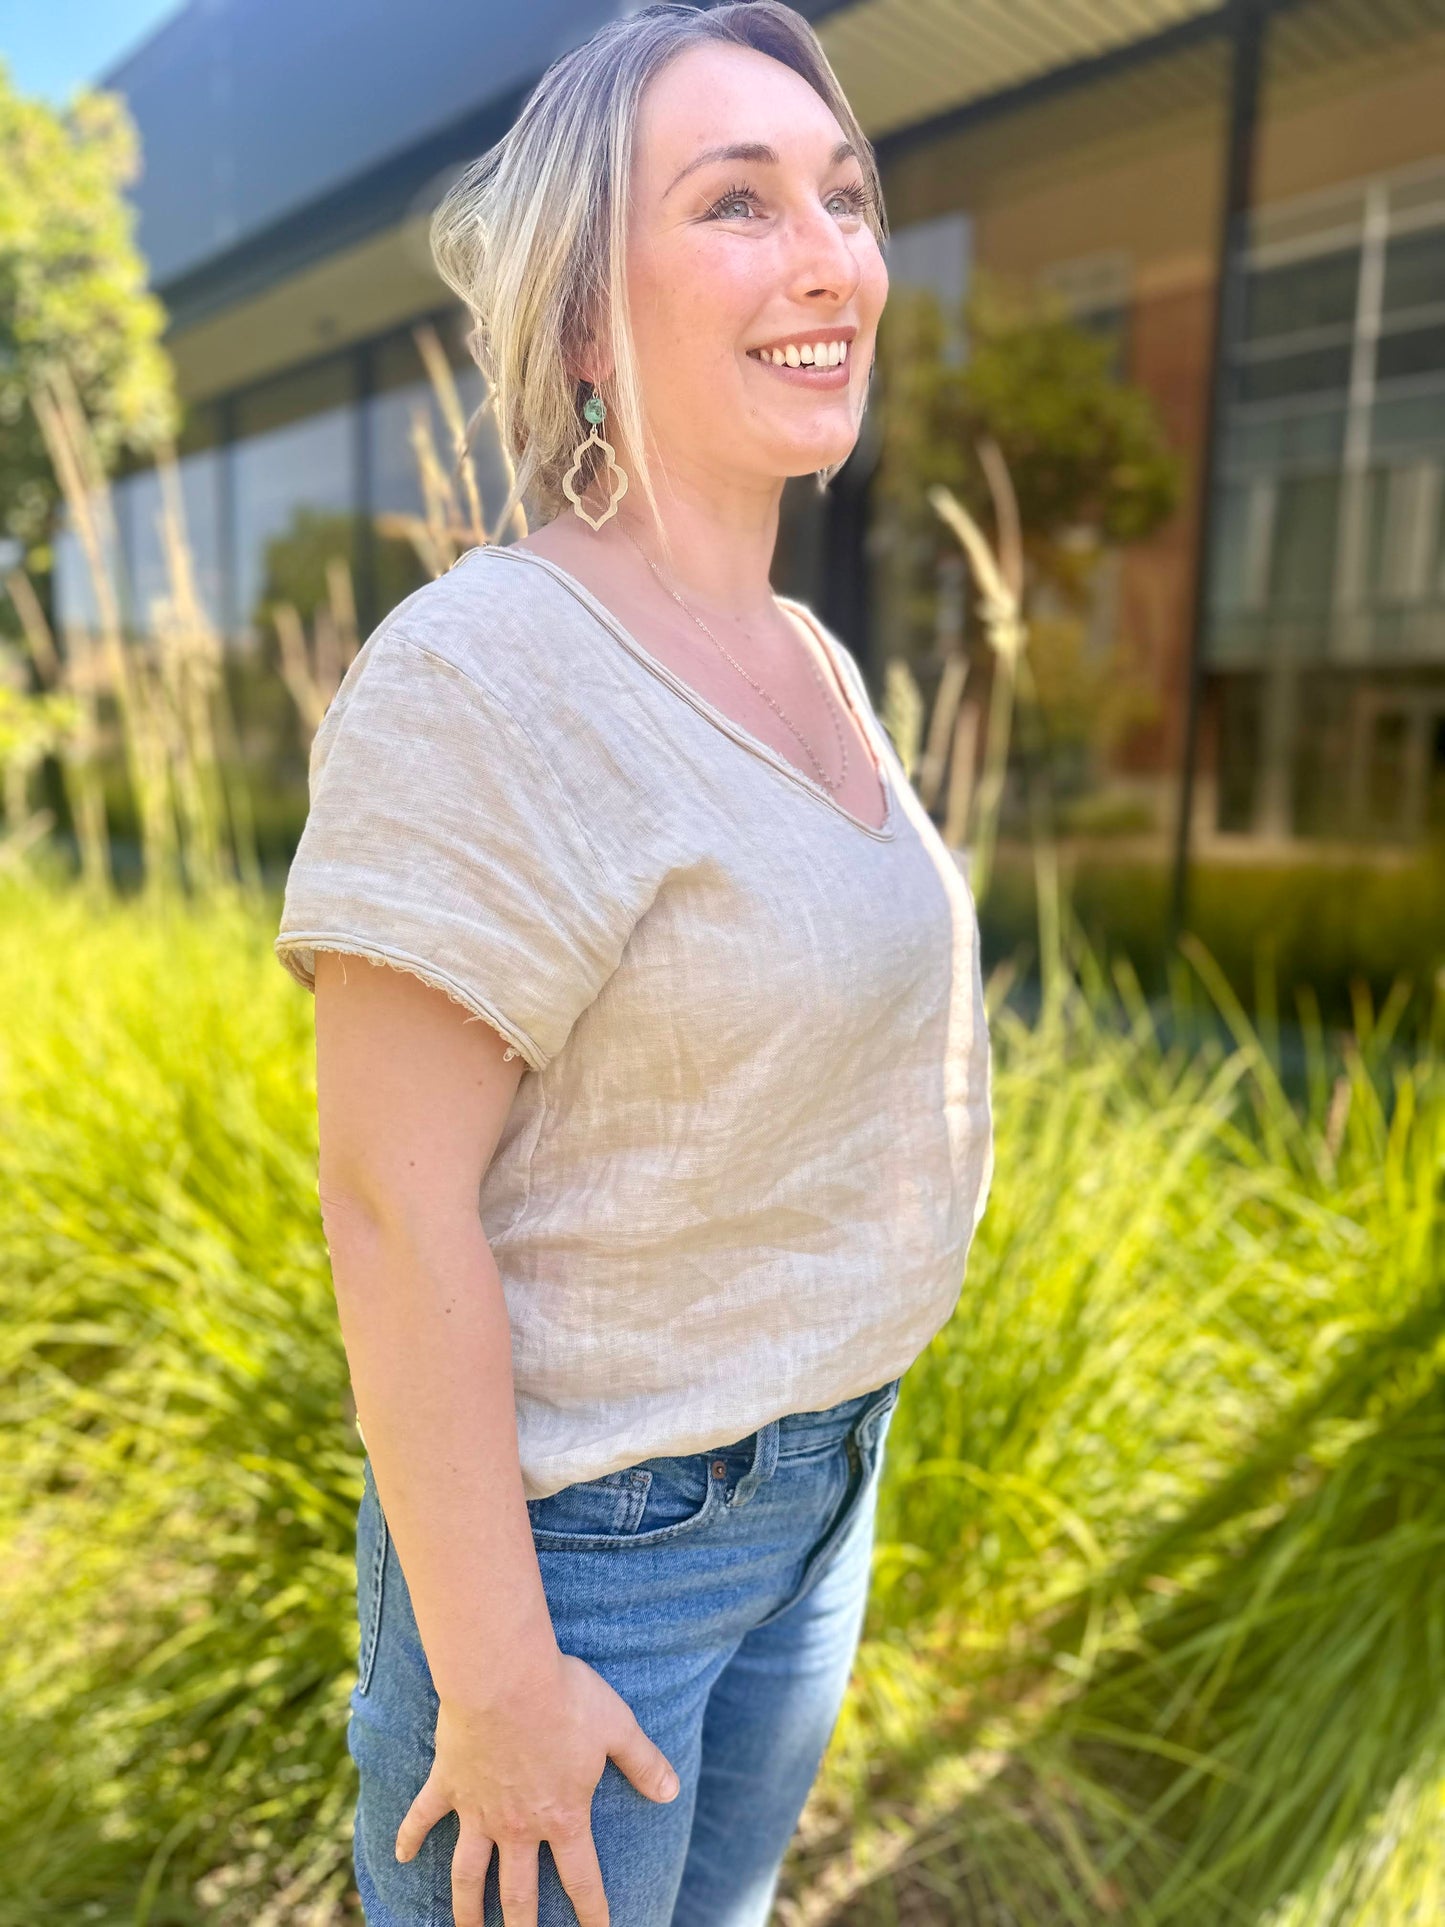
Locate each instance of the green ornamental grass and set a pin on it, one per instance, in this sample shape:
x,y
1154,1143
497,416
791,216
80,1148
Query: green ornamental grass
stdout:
x,y
1157,1631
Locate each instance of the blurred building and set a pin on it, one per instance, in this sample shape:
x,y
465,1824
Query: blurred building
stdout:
x,y
1248,198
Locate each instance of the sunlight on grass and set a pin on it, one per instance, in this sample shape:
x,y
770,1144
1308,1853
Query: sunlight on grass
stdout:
x,y
1158,1622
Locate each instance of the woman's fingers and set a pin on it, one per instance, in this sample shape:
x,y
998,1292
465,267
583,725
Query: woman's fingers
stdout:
x,y
575,1853
429,1806
516,1883
470,1861
641,1759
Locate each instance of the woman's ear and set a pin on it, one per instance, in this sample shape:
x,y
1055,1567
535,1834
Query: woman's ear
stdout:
x,y
592,361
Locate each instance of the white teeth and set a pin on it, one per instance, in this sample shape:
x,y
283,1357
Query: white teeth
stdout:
x,y
810,354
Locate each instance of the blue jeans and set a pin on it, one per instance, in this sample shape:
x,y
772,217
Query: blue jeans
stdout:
x,y
721,1594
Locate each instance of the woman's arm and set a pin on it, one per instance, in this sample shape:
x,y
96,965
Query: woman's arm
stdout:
x,y
411,1099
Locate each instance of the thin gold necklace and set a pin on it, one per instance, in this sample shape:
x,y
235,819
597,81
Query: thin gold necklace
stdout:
x,y
817,673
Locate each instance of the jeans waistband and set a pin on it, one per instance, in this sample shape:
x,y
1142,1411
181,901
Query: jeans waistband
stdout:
x,y
836,1420
798,1432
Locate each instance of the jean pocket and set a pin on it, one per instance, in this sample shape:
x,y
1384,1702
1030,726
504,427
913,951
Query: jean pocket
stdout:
x,y
660,1498
872,1429
372,1540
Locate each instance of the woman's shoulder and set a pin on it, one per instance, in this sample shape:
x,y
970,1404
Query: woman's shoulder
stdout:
x,y
496,642
496,618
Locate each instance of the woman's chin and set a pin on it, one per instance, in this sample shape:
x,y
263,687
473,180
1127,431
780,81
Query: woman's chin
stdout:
x,y
833,456
806,455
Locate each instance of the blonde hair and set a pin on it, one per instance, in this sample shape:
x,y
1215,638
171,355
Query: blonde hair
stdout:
x,y
532,234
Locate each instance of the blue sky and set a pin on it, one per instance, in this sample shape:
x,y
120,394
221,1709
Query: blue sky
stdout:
x,y
51,47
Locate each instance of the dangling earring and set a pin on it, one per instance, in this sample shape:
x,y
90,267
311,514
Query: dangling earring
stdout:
x,y
616,476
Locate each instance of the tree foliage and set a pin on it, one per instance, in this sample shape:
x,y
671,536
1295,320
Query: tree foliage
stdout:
x,y
1090,467
73,287
1086,451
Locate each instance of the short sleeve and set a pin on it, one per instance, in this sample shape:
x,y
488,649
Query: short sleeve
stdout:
x,y
441,840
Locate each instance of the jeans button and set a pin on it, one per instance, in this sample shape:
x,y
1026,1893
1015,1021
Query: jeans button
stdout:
x,y
719,1468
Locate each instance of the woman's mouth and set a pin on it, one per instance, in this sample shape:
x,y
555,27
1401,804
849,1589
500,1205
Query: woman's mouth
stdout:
x,y
820,363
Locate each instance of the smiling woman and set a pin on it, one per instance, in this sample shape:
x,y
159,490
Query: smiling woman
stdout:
x,y
653,1158
600,161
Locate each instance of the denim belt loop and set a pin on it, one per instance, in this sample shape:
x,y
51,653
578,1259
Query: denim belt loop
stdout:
x,y
764,1462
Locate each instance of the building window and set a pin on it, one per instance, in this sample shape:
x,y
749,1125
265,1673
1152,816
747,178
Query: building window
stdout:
x,y
402,406
294,490
1335,430
142,510
1095,290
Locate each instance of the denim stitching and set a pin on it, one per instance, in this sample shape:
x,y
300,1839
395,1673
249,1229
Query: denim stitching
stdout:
x,y
372,1630
863,1441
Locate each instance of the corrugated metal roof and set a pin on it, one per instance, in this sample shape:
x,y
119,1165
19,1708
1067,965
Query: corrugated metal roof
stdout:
x,y
1335,33
903,61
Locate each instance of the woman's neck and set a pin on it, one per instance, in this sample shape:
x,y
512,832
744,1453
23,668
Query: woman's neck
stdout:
x,y
719,545
719,541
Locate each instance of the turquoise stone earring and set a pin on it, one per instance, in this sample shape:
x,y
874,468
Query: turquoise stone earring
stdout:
x,y
595,412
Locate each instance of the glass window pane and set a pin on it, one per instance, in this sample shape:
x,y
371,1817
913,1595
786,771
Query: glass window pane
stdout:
x,y
1310,372
1416,351
1285,437
1404,530
1239,751
1415,270
1244,512
1435,778
1406,421
1315,293
200,507
1385,770
295,487
1304,541
402,411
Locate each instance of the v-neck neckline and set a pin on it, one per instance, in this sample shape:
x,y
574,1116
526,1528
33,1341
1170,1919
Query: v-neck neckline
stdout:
x,y
882,832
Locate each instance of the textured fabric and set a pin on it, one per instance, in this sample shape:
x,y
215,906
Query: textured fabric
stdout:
x,y
741,1175
721,1594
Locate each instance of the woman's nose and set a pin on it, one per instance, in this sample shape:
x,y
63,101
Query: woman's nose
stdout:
x,y
823,263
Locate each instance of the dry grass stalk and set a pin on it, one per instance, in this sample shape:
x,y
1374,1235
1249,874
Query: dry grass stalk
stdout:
x,y
941,727
76,747
439,373
209,763
1000,584
167,691
312,670
174,722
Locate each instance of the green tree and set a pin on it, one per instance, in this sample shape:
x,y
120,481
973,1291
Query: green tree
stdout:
x,y
1091,470
1086,452
73,288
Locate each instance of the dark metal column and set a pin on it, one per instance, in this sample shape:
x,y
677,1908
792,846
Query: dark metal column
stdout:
x,y
1248,22
364,491
844,593
229,589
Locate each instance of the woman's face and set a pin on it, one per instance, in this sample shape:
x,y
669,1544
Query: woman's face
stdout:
x,y
748,236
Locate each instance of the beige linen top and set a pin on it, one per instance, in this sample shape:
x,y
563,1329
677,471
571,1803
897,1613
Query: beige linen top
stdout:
x,y
743,1174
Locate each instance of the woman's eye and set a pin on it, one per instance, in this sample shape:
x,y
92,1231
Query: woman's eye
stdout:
x,y
854,199
738,201
736,197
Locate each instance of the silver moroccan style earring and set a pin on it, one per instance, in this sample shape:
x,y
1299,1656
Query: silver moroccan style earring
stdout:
x,y
615,476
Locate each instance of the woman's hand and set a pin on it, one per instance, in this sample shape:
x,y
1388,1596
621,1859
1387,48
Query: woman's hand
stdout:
x,y
522,1771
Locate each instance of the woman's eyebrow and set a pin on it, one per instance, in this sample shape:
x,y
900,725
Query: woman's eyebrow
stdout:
x,y
756,151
